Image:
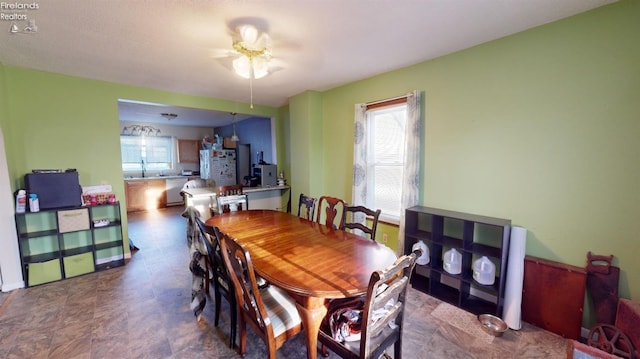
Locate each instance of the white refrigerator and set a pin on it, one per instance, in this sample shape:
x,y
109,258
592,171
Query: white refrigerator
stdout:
x,y
219,166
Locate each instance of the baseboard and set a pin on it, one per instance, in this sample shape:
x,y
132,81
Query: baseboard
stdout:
x,y
7,287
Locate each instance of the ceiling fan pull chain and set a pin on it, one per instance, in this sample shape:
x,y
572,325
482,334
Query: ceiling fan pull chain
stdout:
x,y
251,74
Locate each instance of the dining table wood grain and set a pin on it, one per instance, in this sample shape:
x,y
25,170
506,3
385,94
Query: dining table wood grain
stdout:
x,y
312,262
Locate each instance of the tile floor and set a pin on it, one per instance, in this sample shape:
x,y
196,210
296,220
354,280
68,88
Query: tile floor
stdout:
x,y
141,310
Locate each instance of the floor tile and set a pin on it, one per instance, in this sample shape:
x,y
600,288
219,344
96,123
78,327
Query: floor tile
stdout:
x,y
141,310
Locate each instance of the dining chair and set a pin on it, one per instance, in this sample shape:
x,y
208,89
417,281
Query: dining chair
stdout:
x,y
330,212
382,315
270,312
231,199
356,218
195,183
218,275
306,207
229,190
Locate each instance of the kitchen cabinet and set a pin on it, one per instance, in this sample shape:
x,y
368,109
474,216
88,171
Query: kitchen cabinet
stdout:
x,y
471,235
156,194
142,194
56,244
134,193
188,151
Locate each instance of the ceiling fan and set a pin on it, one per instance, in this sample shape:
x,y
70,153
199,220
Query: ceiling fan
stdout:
x,y
251,54
254,52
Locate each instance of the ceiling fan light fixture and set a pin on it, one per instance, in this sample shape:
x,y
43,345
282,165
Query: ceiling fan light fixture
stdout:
x,y
235,137
260,67
169,116
254,49
242,66
256,68
248,34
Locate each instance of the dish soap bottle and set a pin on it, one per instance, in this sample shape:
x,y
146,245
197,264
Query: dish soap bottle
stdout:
x,y
21,201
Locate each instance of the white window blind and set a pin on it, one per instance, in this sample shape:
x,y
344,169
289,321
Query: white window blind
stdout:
x,y
385,162
156,152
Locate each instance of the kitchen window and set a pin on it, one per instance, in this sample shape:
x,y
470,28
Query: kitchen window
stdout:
x,y
146,153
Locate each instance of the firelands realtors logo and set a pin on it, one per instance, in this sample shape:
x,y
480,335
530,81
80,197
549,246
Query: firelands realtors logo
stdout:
x,y
18,14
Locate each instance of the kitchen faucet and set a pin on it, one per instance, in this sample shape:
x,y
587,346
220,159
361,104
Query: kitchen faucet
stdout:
x,y
142,162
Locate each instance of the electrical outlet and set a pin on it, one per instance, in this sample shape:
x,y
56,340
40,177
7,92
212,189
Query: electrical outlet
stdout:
x,y
385,237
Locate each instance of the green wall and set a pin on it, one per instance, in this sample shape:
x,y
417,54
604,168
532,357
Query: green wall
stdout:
x,y
57,121
540,127
306,139
4,117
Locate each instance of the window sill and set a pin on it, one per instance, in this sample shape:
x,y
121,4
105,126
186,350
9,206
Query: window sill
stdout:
x,y
389,222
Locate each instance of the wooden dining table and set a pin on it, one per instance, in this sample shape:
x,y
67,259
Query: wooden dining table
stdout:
x,y
312,262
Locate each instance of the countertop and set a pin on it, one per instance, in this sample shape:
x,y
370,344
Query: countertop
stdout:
x,y
158,177
209,191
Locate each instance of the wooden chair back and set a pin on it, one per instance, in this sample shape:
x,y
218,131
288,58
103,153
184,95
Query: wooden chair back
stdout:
x,y
229,190
357,217
231,198
195,183
330,212
284,321
306,207
222,284
387,296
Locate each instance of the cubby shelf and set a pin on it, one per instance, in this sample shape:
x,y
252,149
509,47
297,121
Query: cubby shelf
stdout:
x,y
473,236
61,243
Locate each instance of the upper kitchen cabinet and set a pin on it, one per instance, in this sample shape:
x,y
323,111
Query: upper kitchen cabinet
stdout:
x,y
188,151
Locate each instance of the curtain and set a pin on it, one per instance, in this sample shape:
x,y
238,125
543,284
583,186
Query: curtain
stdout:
x,y
360,157
411,177
359,192
412,151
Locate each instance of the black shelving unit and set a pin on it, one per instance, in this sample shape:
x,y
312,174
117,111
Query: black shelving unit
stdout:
x,y
61,243
473,236
107,239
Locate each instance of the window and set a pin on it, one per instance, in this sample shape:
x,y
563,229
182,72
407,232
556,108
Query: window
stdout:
x,y
156,152
385,158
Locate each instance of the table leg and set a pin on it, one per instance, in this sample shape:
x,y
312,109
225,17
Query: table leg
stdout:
x,y
312,311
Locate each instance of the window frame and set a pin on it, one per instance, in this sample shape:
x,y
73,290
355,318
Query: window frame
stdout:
x,y
164,150
372,200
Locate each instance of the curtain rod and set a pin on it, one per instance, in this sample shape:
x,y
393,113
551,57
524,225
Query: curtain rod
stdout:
x,y
387,99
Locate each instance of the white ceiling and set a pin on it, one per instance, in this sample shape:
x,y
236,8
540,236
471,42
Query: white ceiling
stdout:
x,y
182,46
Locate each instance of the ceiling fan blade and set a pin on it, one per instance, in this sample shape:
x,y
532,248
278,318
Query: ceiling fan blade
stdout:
x,y
222,53
277,63
226,62
263,42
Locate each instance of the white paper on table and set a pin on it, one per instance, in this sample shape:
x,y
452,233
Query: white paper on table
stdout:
x,y
515,278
